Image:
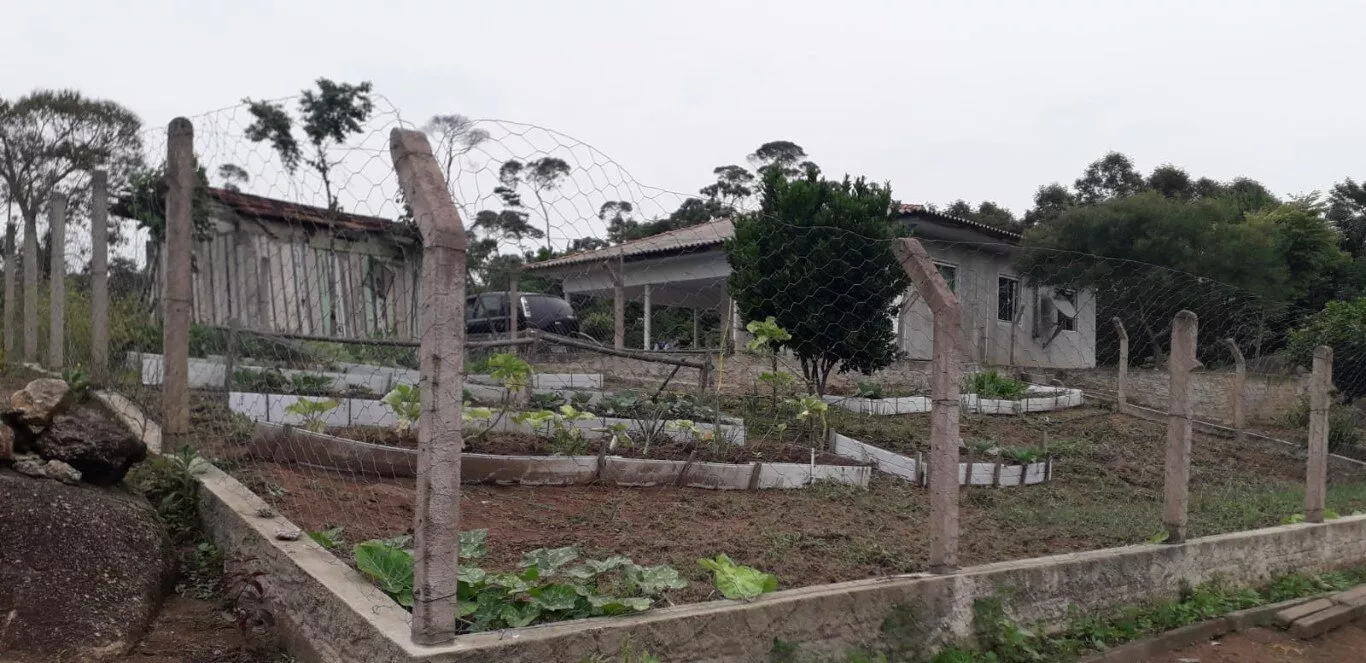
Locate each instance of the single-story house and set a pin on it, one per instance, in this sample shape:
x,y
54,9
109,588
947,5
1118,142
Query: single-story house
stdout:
x,y
1007,320
288,268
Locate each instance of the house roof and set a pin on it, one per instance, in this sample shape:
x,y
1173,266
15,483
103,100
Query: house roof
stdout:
x,y
705,234
260,207
717,232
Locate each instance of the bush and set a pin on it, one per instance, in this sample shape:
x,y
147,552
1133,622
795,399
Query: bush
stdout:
x,y
1342,426
990,384
1341,326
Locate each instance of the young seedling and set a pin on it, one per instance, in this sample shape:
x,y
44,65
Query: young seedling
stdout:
x,y
312,412
768,339
405,402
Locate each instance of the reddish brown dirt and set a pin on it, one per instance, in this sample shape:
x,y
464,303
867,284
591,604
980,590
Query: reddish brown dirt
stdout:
x,y
1271,646
192,631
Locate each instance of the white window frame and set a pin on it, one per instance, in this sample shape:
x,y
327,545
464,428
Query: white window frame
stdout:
x,y
940,265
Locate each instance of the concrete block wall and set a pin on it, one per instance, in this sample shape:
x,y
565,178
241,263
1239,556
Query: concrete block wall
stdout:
x,y
1268,396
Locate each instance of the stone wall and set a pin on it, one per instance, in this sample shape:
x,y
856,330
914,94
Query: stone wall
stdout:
x,y
1268,396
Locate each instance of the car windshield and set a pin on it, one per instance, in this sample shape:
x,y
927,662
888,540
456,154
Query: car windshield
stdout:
x,y
542,307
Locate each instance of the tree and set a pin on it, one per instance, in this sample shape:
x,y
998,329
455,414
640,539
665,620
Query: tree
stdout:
x,y
782,156
817,257
1111,176
986,212
1145,257
455,136
1049,201
233,176
542,176
1249,195
733,185
50,140
1171,182
617,215
1347,211
1341,325
328,116
1317,271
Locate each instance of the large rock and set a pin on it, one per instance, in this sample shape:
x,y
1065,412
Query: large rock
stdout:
x,y
32,408
101,450
82,569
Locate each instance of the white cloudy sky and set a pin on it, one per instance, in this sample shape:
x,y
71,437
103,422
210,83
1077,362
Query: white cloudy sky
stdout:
x,y
970,99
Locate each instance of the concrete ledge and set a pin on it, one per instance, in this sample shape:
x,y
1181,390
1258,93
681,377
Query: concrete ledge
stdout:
x,y
969,474
1044,399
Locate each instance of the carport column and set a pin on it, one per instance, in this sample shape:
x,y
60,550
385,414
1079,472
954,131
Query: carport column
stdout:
x,y
944,374
1320,382
647,316
1177,484
436,516
619,305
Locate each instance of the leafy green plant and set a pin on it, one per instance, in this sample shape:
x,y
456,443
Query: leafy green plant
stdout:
x,y
405,400
991,384
738,582
168,481
310,384
870,389
1021,455
1342,428
566,439
267,380
812,411
768,336
547,586
511,371
1297,518
77,382
312,412
330,538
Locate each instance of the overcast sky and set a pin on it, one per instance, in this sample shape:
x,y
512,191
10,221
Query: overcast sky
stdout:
x,y
961,99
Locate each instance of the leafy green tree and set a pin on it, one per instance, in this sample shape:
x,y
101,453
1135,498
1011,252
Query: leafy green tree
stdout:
x,y
1171,182
1316,269
233,176
1341,325
817,257
50,140
541,176
1111,176
1145,257
1347,211
1049,201
782,156
733,186
327,116
1249,195
986,212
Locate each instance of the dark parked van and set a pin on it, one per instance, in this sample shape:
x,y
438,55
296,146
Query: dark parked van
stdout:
x,y
488,314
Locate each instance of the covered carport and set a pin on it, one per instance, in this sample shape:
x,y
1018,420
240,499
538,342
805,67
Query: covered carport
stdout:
x,y
683,268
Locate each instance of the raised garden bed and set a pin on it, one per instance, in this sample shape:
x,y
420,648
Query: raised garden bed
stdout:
x,y
288,444
999,471
1037,398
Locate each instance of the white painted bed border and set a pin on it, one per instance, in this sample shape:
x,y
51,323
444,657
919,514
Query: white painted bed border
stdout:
x,y
1057,398
912,469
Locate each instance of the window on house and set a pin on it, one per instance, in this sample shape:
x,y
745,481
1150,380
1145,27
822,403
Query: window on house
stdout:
x,y
950,274
1007,294
1066,303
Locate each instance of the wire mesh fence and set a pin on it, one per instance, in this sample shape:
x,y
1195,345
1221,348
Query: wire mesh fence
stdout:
x,y
621,347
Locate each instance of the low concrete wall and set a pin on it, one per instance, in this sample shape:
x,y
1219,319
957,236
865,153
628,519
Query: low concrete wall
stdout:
x,y
328,612
1267,396
969,473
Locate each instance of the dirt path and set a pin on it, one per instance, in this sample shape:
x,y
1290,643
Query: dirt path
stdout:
x,y
1274,646
188,630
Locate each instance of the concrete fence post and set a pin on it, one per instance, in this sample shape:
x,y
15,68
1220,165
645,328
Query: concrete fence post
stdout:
x,y
436,529
11,287
649,313
1316,476
180,182
1176,488
944,411
30,289
264,306
99,276
56,299
1236,395
1122,380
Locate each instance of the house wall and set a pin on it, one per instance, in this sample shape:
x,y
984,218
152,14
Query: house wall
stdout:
x,y
986,339
313,283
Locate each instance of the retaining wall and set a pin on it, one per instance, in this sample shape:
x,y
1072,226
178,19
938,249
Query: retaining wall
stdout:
x,y
1266,396
912,469
1044,399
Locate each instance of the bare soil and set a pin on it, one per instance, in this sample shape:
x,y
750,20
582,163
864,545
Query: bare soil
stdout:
x,y
767,450
189,630
1274,646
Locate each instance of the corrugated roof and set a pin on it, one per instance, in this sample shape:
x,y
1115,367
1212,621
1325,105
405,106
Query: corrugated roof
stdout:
x,y
260,207
717,232
705,234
